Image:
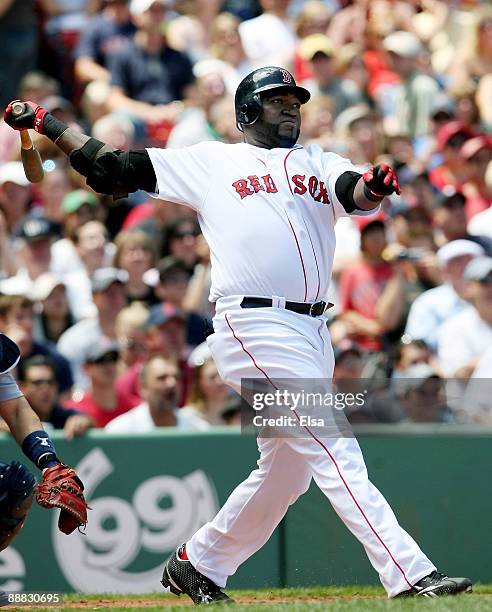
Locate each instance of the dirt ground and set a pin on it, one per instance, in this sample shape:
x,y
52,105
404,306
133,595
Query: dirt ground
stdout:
x,y
164,602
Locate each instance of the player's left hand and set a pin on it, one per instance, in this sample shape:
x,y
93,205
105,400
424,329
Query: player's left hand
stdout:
x,y
62,488
381,180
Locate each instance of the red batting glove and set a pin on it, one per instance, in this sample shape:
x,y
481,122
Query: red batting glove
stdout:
x,y
32,117
380,181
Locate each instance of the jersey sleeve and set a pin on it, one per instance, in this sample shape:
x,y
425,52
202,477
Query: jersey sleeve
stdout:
x,y
8,388
334,166
183,175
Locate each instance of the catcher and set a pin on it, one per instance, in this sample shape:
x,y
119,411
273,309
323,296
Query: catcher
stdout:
x,y
60,486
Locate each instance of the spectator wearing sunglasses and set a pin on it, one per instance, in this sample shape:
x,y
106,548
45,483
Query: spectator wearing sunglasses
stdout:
x,y
37,378
102,402
181,240
172,286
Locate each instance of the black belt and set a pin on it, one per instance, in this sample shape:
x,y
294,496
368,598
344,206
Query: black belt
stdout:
x,y
313,310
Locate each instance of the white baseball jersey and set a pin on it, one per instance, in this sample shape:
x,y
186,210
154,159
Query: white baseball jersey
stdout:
x,y
268,215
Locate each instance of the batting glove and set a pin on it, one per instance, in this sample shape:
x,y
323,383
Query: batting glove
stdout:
x,y
380,181
32,117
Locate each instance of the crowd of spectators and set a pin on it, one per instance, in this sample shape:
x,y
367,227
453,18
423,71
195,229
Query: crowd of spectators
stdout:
x,y
107,300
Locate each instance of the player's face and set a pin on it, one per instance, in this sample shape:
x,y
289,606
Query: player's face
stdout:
x,y
280,121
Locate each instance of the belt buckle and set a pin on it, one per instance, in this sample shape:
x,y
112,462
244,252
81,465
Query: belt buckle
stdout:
x,y
311,309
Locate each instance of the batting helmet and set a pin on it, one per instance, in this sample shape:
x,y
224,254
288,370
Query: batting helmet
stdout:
x,y
248,100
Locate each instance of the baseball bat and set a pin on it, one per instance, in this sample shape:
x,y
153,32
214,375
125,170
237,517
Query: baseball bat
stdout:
x,y
31,159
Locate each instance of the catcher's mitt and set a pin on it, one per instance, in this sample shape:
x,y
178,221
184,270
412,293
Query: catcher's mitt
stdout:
x,y
62,488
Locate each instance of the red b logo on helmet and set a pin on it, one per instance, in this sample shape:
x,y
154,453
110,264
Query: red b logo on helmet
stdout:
x,y
286,76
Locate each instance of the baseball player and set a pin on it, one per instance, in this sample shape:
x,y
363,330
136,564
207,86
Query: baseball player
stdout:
x,y
60,485
267,208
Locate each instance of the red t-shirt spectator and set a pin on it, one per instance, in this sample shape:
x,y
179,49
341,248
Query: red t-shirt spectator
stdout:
x,y
361,286
101,415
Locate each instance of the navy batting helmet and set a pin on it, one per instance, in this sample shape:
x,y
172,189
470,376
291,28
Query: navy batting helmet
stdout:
x,y
248,100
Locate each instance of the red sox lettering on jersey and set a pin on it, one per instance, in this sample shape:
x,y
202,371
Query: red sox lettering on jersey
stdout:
x,y
268,215
301,185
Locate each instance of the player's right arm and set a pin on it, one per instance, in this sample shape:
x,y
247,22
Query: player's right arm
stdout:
x,y
106,169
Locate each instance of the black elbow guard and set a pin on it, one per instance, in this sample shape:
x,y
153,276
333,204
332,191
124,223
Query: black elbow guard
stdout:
x,y
119,173
83,158
106,173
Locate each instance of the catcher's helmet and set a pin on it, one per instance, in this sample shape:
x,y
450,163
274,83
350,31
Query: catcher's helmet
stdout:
x,y
248,100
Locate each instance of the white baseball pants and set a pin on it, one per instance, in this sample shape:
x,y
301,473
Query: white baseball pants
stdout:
x,y
276,343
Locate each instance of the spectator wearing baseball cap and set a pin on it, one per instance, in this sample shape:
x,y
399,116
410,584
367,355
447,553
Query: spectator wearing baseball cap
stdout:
x,y
362,284
34,239
349,362
435,306
197,123
15,193
172,277
107,286
465,337
422,396
53,316
319,52
15,199
417,90
450,137
449,220
172,286
411,219
362,126
165,331
101,400
78,207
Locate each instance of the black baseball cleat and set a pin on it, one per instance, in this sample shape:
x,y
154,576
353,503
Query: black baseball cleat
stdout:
x,y
4,599
181,577
438,585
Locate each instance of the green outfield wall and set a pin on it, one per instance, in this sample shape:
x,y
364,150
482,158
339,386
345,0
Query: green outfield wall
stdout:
x,y
149,493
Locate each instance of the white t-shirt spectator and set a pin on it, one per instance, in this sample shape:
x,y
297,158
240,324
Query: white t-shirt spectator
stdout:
x,y
139,420
481,224
461,339
431,310
268,41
